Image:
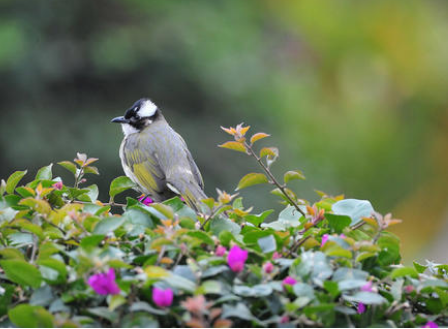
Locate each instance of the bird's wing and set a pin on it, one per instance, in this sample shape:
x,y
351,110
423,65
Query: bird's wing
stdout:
x,y
194,168
142,159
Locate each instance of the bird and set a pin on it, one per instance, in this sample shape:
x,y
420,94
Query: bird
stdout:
x,y
156,158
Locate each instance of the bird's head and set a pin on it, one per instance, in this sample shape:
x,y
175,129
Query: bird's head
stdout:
x,y
140,115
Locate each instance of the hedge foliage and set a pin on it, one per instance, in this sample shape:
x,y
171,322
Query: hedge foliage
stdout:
x,y
69,260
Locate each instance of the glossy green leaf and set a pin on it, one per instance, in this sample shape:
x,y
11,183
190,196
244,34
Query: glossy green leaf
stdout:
x,y
30,316
338,222
252,179
292,175
108,225
70,166
365,297
355,209
119,185
13,180
267,244
235,146
21,272
404,271
45,173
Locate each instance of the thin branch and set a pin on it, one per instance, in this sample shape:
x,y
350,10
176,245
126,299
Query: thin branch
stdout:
x,y
297,245
213,212
273,180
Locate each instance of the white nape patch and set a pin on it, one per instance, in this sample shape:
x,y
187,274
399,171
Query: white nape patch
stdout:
x,y
148,109
128,129
172,188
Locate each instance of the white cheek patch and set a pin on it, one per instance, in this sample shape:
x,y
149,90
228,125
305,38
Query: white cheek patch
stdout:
x,y
128,129
148,109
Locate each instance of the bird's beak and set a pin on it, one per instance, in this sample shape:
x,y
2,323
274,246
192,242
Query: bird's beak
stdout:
x,y
120,120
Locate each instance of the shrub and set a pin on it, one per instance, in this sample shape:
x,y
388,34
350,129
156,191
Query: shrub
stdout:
x,y
68,259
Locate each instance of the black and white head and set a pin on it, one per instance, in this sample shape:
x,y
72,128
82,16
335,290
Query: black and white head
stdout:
x,y
138,116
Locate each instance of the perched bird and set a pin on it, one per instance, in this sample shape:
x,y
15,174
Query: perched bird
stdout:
x,y
156,158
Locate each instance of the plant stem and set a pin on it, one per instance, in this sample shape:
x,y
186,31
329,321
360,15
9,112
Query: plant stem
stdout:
x,y
213,212
273,180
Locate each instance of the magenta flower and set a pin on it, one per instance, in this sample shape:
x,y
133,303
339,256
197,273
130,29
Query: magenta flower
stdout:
x,y
361,308
58,185
284,319
237,258
342,236
289,281
162,298
104,283
146,200
276,255
430,324
367,287
268,267
220,251
324,240
408,289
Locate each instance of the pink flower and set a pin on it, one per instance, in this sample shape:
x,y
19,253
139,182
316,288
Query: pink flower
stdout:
x,y
408,289
342,236
324,240
104,283
146,200
268,267
162,298
220,251
276,255
430,324
289,281
361,308
284,319
367,287
237,258
58,185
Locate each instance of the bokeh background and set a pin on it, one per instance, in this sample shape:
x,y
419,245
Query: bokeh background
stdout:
x,y
354,93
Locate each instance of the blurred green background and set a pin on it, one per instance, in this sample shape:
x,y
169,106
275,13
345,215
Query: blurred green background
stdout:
x,y
353,92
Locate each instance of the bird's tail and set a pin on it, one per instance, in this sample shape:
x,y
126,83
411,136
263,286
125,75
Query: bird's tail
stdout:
x,y
193,195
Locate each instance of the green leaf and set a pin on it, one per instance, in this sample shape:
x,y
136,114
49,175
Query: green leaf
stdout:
x,y
91,195
256,220
120,184
92,241
365,297
45,173
13,180
218,225
103,312
236,146
204,237
180,282
338,222
293,174
419,268
56,265
11,253
289,217
267,244
332,288
29,316
107,225
355,209
91,170
252,179
21,272
70,166
404,271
